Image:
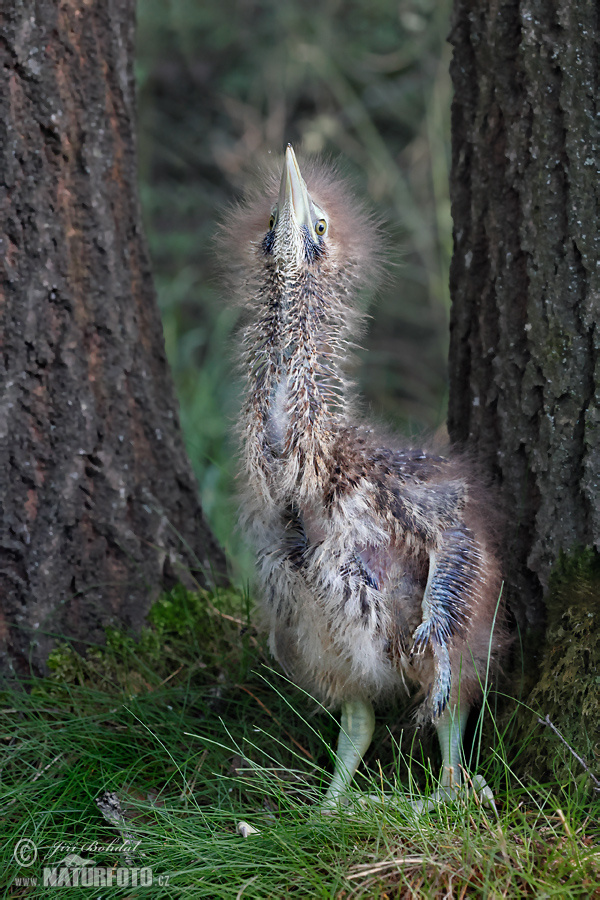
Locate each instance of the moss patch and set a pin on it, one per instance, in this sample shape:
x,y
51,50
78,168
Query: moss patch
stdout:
x,y
189,634
568,689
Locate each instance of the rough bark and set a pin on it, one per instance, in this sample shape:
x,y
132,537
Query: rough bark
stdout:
x,y
99,502
525,343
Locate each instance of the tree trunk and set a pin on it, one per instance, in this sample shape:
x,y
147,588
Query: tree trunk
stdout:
x,y
99,502
525,343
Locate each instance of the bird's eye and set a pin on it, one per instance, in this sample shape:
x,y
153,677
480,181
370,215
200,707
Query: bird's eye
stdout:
x,y
320,227
272,222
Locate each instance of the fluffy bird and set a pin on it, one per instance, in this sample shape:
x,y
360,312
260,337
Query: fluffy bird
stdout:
x,y
374,562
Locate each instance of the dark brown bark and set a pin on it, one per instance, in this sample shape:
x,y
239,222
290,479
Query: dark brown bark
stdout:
x,y
99,502
525,343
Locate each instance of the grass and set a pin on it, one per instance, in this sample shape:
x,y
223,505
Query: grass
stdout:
x,y
193,731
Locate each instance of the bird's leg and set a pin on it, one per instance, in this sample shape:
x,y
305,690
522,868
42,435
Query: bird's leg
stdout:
x,y
450,727
357,724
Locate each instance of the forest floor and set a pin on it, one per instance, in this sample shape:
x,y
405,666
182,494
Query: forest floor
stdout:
x,y
126,773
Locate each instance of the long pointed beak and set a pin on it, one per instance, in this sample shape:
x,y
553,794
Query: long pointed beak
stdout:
x,y
293,194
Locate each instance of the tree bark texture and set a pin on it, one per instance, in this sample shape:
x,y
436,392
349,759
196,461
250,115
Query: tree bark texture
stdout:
x,y
99,505
525,341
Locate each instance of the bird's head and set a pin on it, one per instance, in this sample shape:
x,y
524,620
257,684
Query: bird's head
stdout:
x,y
297,222
297,233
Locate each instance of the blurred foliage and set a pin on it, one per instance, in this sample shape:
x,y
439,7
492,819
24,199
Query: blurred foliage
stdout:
x,y
220,84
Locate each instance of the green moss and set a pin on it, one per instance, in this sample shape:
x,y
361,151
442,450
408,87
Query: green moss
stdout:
x,y
190,634
568,687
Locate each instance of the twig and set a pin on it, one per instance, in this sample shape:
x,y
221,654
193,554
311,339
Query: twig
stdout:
x,y
223,615
228,618
363,869
40,772
547,721
189,786
277,722
563,819
172,675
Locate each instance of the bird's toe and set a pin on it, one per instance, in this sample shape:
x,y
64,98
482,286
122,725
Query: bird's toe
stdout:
x,y
475,787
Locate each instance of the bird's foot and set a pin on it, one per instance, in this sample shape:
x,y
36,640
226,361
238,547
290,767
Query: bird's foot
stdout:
x,y
421,638
475,786
345,804
349,802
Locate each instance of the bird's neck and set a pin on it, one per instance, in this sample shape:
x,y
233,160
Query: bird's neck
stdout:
x,y
297,393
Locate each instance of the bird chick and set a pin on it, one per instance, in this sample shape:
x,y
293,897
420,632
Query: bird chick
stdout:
x,y
374,563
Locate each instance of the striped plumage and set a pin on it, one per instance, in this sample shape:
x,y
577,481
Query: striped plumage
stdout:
x,y
374,563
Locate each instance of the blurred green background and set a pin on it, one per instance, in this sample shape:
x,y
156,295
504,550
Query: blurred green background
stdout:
x,y
222,83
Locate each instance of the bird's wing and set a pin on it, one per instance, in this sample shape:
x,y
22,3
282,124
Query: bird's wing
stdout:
x,y
430,513
447,605
447,602
422,510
